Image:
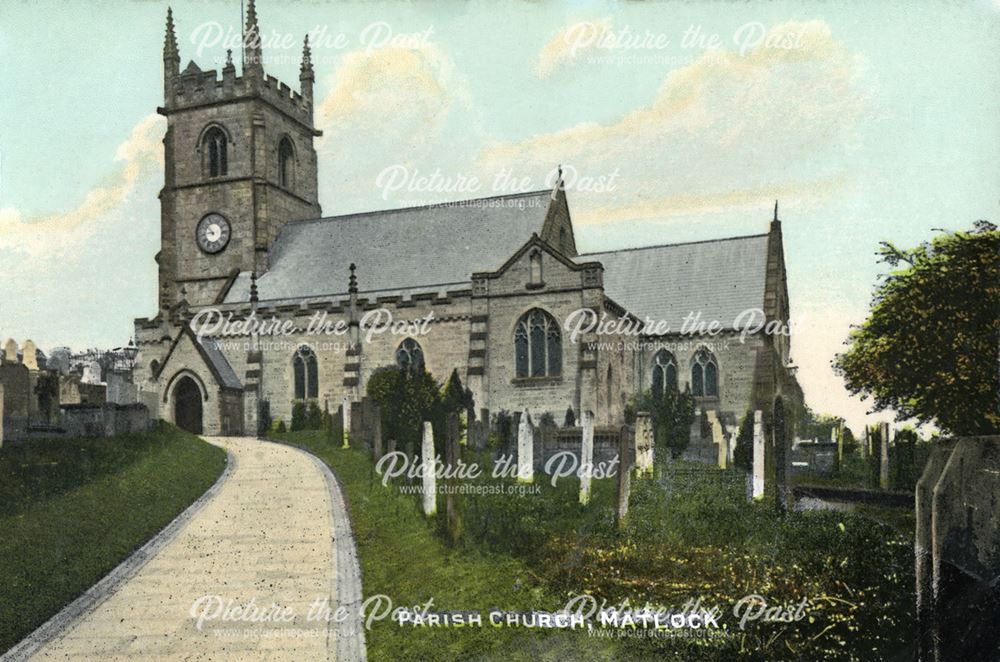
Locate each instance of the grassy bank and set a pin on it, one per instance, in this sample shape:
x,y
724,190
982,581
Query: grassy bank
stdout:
x,y
403,558
71,510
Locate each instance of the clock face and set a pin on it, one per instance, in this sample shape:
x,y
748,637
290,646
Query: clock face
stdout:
x,y
213,233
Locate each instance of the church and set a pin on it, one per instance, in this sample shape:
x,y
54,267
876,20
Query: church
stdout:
x,y
492,288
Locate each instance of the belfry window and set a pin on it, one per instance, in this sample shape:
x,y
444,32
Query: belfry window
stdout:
x,y
286,162
410,356
664,373
214,144
537,345
306,373
704,374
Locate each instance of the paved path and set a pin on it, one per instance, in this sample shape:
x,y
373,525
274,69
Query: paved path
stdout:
x,y
273,531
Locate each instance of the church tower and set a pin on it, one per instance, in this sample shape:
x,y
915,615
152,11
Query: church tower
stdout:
x,y
239,163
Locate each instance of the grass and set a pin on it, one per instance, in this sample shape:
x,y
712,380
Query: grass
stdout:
x,y
403,558
689,534
71,510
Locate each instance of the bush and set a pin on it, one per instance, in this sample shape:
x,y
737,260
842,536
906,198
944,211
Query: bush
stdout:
x,y
314,417
743,453
406,400
672,415
298,416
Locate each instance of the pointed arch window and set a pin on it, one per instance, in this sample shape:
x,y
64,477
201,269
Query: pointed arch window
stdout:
x,y
286,162
410,356
214,145
537,345
664,373
704,374
306,371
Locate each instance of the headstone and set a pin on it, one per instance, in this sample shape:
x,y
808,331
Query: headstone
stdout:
x,y
10,351
759,455
643,434
29,355
525,450
427,472
957,547
883,468
377,434
586,456
627,437
346,416
451,458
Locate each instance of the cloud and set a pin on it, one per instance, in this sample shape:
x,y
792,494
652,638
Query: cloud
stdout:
x,y
727,129
52,235
568,43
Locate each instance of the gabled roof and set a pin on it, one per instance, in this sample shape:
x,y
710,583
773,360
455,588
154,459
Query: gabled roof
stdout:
x,y
210,352
400,251
720,278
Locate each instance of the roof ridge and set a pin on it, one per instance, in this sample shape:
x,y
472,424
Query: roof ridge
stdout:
x,y
680,243
433,205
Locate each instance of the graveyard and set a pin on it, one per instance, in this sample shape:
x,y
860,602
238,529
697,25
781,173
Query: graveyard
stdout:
x,y
689,532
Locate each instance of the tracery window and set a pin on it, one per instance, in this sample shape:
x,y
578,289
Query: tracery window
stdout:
x,y
537,345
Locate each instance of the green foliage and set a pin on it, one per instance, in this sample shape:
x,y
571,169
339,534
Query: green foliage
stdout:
x,y
455,398
928,348
280,427
314,417
672,415
298,416
73,509
743,453
407,399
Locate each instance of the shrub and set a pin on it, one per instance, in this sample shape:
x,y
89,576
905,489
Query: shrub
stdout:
x,y
298,416
314,417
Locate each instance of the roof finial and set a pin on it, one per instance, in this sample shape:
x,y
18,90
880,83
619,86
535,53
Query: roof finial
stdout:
x,y
306,69
170,41
252,58
229,58
775,210
253,287
352,282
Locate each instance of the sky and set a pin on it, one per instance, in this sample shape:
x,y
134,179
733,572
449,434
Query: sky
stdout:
x,y
674,121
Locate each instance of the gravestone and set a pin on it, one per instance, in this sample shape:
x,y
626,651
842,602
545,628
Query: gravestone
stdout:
x,y
377,434
345,409
759,455
10,351
452,445
643,434
957,549
626,438
718,438
525,450
586,456
883,465
29,355
427,470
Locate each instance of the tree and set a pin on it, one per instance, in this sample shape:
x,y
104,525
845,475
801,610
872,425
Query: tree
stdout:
x,y
672,415
743,453
407,398
928,349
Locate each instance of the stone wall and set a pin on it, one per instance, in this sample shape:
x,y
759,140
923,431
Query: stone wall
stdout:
x,y
103,420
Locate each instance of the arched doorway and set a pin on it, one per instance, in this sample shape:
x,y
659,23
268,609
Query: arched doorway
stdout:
x,y
187,405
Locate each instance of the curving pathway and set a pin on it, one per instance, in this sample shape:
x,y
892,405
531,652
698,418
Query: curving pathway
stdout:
x,y
272,533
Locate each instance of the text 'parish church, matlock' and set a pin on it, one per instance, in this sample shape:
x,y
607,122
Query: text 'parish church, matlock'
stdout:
x,y
489,284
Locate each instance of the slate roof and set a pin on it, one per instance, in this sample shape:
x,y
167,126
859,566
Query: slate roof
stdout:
x,y
721,278
220,365
397,252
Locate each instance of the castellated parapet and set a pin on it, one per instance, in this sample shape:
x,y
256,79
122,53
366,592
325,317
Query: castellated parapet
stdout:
x,y
193,88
